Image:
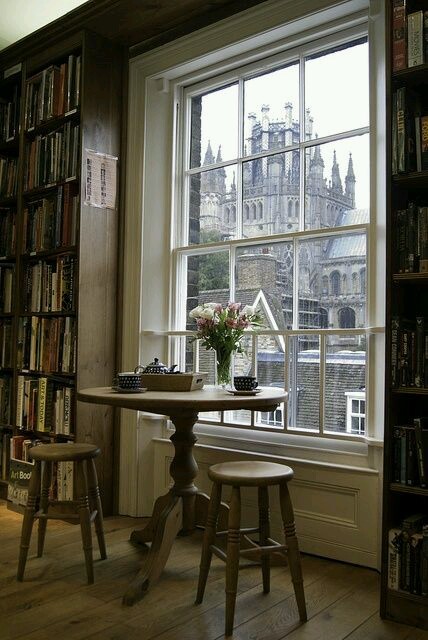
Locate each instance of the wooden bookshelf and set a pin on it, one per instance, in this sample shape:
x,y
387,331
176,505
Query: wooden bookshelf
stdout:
x,y
62,318
406,377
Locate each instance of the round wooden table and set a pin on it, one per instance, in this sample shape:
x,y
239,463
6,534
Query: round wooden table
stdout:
x,y
183,508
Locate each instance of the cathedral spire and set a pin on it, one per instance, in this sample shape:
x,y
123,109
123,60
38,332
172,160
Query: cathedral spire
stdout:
x,y
350,182
219,158
336,182
209,156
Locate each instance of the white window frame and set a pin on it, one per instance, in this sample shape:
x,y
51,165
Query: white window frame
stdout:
x,y
154,79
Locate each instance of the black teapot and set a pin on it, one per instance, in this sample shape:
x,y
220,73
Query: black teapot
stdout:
x,y
158,367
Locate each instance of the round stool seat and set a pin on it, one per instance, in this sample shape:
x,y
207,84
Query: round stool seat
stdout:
x,y
250,473
64,451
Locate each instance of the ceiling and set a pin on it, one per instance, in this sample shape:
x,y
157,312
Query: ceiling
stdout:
x,y
21,17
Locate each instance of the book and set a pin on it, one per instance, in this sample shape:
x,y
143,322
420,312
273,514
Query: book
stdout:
x,y
394,558
421,444
415,38
423,142
399,36
41,408
424,561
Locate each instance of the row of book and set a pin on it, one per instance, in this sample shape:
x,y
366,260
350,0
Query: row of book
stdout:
x,y
6,285
5,436
45,405
409,352
408,555
51,222
9,116
409,36
46,344
49,285
53,157
5,342
412,239
52,92
7,232
409,132
8,177
5,399
410,453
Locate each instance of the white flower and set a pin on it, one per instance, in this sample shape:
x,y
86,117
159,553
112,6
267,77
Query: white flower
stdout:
x,y
196,312
207,313
248,310
211,305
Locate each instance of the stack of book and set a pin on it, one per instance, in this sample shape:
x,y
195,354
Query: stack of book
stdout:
x,y
5,343
6,285
53,92
46,344
44,405
8,177
410,453
51,222
409,352
52,158
49,285
7,232
9,116
412,239
5,400
409,36
408,555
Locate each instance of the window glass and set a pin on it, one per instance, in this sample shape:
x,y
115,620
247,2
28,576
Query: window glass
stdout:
x,y
337,89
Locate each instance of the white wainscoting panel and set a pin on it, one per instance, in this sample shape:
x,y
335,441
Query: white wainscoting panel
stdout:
x,y
336,507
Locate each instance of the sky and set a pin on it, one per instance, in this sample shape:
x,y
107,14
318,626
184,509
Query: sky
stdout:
x,y
336,93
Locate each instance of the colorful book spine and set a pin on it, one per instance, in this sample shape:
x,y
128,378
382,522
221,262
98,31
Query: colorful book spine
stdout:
x,y
399,36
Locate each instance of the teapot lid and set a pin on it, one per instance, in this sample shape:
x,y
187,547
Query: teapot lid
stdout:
x,y
156,367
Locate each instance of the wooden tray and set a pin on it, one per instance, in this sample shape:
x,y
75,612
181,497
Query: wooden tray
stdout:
x,y
173,381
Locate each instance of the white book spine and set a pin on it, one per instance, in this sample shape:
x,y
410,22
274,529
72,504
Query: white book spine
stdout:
x,y
415,38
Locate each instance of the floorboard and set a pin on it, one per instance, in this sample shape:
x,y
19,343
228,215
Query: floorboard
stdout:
x,y
54,600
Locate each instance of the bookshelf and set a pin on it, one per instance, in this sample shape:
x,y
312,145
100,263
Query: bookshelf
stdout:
x,y
404,586
58,262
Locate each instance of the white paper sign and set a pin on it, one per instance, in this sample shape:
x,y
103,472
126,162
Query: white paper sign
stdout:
x,y
100,179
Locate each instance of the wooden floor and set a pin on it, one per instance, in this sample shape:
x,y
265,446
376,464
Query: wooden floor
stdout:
x,y
54,600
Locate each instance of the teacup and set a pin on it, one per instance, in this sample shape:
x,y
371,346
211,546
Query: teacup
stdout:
x,y
245,383
128,380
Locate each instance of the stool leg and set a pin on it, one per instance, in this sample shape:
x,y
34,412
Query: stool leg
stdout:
x,y
85,518
44,504
95,502
264,535
209,538
27,524
293,549
232,561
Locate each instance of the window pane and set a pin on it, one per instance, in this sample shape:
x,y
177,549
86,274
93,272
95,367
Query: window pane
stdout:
x,y
214,127
329,294
337,90
337,183
345,372
270,373
212,205
303,404
271,195
207,281
271,103
266,272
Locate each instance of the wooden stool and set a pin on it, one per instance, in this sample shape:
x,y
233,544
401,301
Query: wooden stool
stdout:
x,y
85,509
260,475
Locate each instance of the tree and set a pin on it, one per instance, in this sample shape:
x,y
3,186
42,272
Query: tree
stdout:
x,y
214,267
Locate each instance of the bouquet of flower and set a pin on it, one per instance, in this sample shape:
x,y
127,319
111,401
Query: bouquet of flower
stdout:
x,y
221,328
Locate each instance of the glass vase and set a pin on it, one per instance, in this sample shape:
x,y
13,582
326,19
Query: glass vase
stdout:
x,y
223,368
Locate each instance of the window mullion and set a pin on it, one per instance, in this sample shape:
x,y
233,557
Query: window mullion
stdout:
x,y
322,341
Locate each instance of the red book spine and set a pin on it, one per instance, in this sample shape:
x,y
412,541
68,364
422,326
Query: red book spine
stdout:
x,y
399,35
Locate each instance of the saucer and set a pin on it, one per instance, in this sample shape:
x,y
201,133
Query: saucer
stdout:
x,y
139,390
252,392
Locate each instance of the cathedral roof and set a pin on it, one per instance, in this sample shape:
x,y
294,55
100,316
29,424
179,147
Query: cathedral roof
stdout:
x,y
352,246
